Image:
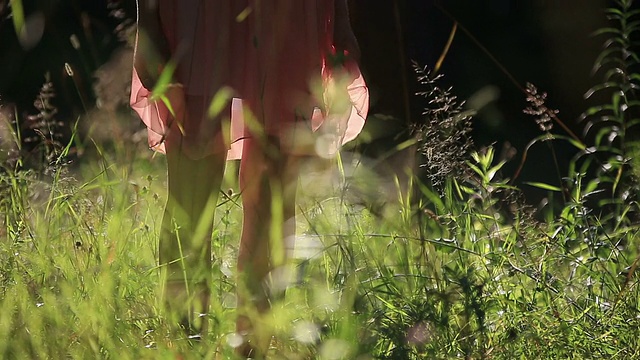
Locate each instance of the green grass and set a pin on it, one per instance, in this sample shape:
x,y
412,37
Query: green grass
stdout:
x,y
458,274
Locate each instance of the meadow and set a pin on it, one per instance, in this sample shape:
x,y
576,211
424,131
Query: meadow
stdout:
x,y
447,263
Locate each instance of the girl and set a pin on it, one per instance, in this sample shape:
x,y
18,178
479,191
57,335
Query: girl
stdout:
x,y
249,80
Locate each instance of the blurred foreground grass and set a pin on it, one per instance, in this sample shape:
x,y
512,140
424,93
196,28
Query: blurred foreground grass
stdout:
x,y
385,268
458,274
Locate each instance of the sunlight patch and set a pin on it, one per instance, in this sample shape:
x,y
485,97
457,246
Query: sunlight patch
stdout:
x,y
235,340
334,349
306,332
282,277
327,146
306,247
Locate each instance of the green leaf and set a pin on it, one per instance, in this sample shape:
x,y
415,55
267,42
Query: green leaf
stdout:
x,y
406,144
17,13
615,12
615,74
433,197
607,30
492,172
220,101
165,79
596,109
593,90
475,169
632,123
615,99
605,54
544,186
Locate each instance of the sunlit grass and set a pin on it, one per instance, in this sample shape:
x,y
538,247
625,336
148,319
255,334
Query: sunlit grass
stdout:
x,y
454,276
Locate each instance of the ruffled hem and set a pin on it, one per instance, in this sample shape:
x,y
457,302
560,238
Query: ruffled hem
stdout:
x,y
341,127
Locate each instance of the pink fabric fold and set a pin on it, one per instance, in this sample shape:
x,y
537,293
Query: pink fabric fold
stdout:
x,y
244,65
156,116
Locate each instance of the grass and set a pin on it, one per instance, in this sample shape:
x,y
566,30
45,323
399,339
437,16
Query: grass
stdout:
x,y
461,273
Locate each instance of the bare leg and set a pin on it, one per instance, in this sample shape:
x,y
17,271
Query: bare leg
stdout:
x,y
185,238
253,254
268,185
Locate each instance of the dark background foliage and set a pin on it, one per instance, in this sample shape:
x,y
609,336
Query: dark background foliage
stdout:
x,y
548,43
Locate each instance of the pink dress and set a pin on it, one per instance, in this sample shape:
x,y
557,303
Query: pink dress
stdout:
x,y
275,58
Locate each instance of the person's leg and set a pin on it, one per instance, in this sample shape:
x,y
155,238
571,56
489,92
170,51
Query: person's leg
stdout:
x,y
290,173
185,238
257,170
268,181
254,252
